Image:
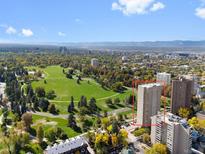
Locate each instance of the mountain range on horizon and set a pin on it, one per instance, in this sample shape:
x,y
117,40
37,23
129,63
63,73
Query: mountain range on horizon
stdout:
x,y
176,43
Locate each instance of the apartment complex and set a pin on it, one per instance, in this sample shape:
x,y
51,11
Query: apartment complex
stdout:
x,y
94,62
195,80
148,102
70,146
181,95
173,131
164,78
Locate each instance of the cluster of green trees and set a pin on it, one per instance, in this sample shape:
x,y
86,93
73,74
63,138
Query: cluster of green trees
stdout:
x,y
83,109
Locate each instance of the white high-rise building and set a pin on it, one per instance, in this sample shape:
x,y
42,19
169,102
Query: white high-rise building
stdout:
x,y
148,102
164,77
124,58
94,62
173,131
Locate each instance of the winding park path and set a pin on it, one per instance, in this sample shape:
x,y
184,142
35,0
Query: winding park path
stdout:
x,y
98,99
65,116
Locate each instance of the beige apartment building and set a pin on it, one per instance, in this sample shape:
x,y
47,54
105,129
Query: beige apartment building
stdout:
x,y
148,102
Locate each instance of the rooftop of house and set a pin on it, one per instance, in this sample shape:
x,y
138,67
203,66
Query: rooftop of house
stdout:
x,y
67,145
149,85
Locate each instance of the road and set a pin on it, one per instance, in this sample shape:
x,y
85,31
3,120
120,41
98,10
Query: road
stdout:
x,y
133,139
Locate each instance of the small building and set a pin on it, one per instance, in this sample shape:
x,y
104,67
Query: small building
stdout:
x,y
164,77
94,62
124,58
201,91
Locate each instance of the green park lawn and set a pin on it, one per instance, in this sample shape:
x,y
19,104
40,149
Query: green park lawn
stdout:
x,y
65,88
58,122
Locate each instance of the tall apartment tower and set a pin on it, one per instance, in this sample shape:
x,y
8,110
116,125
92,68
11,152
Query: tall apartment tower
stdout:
x,y
148,102
94,62
181,95
172,131
164,78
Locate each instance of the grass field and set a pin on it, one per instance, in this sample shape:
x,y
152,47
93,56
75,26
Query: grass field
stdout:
x,y
65,88
58,122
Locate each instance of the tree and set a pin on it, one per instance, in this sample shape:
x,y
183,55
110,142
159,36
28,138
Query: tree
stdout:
x,y
71,106
194,122
129,100
92,105
98,123
120,118
27,119
35,102
108,101
203,106
50,94
122,137
118,87
82,102
29,90
114,140
83,111
146,138
105,122
141,131
115,127
78,81
69,76
105,113
71,121
52,109
40,91
157,148
184,112
43,104
51,135
40,134
55,133
116,100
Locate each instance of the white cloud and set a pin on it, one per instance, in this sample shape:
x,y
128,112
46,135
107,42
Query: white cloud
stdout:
x,y
61,34
11,30
157,6
26,32
129,7
200,12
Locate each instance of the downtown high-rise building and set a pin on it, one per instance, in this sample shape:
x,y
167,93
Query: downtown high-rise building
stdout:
x,y
173,131
164,78
148,102
181,95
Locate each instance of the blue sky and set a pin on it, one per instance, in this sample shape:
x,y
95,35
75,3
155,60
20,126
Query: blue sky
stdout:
x,y
101,20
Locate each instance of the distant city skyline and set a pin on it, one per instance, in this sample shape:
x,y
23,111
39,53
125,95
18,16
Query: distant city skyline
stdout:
x,y
99,21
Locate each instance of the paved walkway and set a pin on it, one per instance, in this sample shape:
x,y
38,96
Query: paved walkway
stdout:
x,y
65,116
49,115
